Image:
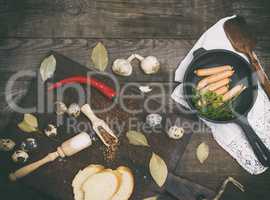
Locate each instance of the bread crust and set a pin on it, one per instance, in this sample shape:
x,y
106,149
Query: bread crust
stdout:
x,y
81,177
126,188
123,182
97,183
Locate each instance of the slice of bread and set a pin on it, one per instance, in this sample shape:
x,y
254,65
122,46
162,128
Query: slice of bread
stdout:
x,y
101,186
81,177
126,186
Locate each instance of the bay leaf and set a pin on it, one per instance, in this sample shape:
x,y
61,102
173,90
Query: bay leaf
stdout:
x,y
202,152
31,120
100,57
151,198
137,138
47,67
26,127
158,169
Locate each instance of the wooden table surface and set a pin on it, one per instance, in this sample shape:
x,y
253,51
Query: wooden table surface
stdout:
x,y
166,29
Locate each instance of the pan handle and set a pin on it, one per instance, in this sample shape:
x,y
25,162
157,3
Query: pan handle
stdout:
x,y
259,148
198,52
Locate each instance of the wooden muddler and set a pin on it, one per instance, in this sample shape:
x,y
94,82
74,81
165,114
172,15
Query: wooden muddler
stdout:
x,y
68,148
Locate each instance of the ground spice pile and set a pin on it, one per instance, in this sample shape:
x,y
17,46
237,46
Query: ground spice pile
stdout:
x,y
111,151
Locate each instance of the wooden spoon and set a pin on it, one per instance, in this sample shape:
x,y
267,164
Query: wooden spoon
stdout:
x,y
243,41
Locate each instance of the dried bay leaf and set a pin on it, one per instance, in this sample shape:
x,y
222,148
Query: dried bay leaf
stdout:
x,y
100,57
158,169
137,138
151,198
202,152
47,67
29,123
31,120
26,127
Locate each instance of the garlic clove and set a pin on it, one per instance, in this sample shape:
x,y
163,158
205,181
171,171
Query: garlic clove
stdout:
x,y
150,65
122,67
145,89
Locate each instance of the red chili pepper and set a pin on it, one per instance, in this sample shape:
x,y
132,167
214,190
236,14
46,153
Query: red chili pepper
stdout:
x,y
102,87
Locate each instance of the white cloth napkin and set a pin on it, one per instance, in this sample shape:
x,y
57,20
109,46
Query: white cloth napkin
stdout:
x,y
230,136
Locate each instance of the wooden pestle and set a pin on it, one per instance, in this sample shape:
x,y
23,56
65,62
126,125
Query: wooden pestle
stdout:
x,y
68,148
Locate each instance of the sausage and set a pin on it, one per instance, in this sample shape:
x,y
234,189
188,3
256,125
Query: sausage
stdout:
x,y
214,78
235,91
216,85
222,90
212,70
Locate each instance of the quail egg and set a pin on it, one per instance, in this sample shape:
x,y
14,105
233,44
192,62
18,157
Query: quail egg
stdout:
x,y
20,156
175,132
51,131
153,119
29,144
6,144
74,110
60,108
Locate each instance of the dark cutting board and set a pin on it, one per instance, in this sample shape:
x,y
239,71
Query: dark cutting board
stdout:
x,y
54,179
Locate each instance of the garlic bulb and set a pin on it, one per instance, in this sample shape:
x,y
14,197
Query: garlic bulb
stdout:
x,y
150,64
123,67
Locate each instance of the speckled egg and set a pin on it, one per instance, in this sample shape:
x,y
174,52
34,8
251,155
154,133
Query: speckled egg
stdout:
x,y
60,108
175,132
20,156
51,131
6,144
74,110
153,119
29,144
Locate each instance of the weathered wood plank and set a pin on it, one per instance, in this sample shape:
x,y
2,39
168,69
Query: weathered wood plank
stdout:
x,y
124,19
83,19
110,19
26,54
217,168
256,13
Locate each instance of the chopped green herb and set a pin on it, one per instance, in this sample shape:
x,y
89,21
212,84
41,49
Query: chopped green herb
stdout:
x,y
210,105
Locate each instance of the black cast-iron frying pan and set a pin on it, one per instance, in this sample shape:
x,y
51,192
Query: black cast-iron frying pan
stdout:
x,y
242,104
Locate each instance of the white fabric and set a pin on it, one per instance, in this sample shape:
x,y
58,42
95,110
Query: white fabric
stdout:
x,y
230,136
